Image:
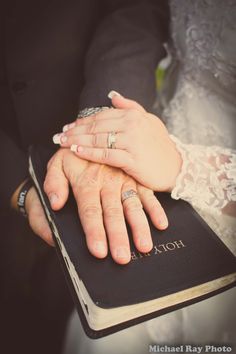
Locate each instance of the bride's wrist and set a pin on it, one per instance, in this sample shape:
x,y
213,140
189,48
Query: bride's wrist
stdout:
x,y
176,167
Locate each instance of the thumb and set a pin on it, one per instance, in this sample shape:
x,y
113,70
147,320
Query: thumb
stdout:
x,y
56,184
118,101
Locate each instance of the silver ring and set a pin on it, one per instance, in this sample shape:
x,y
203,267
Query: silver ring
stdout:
x,y
128,194
111,140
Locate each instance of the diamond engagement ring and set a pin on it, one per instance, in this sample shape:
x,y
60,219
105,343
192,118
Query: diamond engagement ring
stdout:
x,y
111,140
128,194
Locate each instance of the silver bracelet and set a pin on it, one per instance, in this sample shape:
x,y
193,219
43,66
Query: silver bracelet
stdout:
x,y
86,112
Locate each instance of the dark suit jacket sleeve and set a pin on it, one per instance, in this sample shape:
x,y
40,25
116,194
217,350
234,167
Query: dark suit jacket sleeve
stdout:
x,y
14,168
125,51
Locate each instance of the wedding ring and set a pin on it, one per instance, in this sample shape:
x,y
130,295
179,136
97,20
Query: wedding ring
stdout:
x,y
128,194
111,140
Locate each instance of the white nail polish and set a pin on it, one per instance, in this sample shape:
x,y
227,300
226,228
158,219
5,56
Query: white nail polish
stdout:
x,y
113,93
74,148
57,138
65,128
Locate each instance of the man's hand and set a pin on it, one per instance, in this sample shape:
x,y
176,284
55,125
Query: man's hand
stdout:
x,y
97,190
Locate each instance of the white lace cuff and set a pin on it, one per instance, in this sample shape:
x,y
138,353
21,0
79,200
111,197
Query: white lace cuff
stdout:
x,y
208,176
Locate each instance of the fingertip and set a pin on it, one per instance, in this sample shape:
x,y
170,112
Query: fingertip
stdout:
x,y
57,138
122,255
99,249
112,94
162,222
53,198
122,261
163,227
144,245
56,201
49,239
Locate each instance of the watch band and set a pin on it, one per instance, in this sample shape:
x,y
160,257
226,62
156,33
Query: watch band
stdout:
x,y
22,196
86,112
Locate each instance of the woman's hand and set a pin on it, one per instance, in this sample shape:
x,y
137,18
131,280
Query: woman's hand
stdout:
x,y
143,147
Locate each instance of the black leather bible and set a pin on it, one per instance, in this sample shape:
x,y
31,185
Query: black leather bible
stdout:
x,y
188,263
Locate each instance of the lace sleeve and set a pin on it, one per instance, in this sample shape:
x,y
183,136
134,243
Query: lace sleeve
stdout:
x,y
208,176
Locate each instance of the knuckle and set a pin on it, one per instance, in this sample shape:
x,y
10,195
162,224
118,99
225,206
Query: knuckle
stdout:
x,y
112,181
113,211
95,141
130,123
87,184
135,118
133,205
91,211
133,112
74,178
105,154
92,127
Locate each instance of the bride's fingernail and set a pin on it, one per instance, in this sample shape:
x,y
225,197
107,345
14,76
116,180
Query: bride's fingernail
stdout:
x,y
57,138
113,93
65,128
74,148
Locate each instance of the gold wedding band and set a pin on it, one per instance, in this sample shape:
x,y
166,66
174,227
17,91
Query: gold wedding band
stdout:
x,y
128,194
111,140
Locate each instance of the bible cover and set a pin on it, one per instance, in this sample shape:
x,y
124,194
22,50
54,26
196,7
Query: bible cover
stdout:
x,y
187,256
